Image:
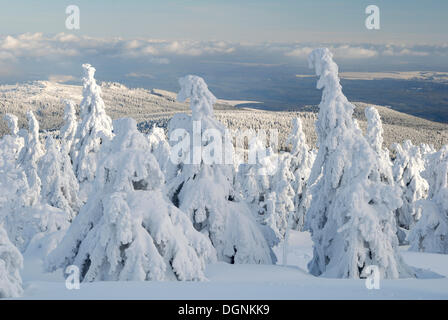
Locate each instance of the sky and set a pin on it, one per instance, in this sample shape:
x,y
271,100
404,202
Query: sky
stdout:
x,y
151,43
235,20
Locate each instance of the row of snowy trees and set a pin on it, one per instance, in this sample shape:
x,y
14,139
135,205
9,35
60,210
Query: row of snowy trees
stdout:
x,y
109,199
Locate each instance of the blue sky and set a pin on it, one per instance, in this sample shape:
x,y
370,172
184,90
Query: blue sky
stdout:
x,y
151,43
408,21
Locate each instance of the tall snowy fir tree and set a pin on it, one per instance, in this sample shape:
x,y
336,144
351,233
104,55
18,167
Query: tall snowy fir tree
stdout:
x,y
351,215
374,135
59,185
253,180
10,144
128,229
409,165
302,159
95,128
161,150
430,233
30,155
68,130
11,262
281,198
204,189
25,215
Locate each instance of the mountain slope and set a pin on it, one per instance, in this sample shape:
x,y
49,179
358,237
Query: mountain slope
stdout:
x,y
158,106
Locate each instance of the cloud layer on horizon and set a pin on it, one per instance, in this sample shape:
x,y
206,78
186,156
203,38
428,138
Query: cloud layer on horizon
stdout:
x,y
62,44
65,47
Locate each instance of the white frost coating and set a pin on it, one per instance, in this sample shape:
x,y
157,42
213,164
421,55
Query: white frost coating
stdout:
x,y
94,129
205,191
68,131
201,99
128,230
302,159
430,234
409,165
11,262
351,215
59,185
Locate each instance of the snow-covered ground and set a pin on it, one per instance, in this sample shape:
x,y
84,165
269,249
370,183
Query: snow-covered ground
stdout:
x,y
227,281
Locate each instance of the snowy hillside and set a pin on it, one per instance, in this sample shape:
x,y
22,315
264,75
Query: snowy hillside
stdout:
x,y
158,106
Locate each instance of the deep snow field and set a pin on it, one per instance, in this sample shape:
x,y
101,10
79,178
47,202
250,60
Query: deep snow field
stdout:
x,y
226,281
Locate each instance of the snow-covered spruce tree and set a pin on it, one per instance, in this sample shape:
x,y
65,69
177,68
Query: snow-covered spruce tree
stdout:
x,y
252,181
253,185
430,233
408,166
11,262
282,197
30,155
59,185
128,229
95,128
10,144
351,215
68,131
302,159
204,189
374,135
160,148
21,208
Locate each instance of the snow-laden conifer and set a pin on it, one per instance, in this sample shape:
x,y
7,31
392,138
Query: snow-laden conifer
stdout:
x,y
24,213
204,191
351,215
128,229
302,158
95,128
11,262
68,130
59,185
409,165
160,148
30,155
430,233
10,144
